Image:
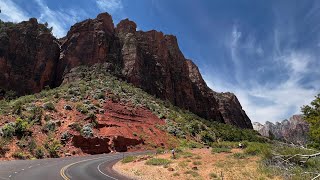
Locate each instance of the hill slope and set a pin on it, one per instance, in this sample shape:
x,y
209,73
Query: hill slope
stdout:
x,y
94,112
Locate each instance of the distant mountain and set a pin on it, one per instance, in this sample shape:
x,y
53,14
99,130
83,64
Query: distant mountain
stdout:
x,y
295,130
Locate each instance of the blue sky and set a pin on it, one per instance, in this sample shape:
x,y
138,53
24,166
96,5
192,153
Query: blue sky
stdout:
x,y
266,52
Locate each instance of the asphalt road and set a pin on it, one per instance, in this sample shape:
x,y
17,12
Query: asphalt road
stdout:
x,y
79,168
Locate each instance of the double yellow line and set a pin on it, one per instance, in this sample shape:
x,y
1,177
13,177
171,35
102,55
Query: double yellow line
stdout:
x,y
62,171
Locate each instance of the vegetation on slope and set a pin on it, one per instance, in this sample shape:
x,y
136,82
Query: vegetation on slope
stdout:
x,y
25,113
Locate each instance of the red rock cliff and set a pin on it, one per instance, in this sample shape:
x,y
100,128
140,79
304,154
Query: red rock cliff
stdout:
x,y
28,57
150,60
29,60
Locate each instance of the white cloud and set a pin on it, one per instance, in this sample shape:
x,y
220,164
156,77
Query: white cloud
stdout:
x,y
61,19
267,101
109,5
284,99
10,11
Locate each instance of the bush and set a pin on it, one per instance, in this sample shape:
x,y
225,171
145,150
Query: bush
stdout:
x,y
49,126
192,173
19,155
239,155
257,148
196,162
213,175
75,126
22,127
220,150
39,153
87,131
49,106
53,146
36,115
128,159
81,108
224,144
158,162
8,130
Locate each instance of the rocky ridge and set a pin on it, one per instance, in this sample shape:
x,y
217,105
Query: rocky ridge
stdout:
x,y
150,60
295,130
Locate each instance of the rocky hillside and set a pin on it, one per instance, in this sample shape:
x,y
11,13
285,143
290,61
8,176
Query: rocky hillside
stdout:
x,y
94,112
31,59
295,130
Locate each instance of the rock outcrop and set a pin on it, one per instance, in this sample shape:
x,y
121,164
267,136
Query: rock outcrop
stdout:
x,y
295,130
29,55
150,60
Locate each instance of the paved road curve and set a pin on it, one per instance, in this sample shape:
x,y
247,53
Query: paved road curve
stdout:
x,y
79,168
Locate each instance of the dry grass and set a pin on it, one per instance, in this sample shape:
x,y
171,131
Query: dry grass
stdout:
x,y
208,166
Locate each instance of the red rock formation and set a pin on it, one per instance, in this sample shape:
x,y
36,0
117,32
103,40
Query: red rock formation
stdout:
x,y
150,60
28,57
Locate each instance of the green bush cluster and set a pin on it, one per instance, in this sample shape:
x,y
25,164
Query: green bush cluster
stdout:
x,y
158,162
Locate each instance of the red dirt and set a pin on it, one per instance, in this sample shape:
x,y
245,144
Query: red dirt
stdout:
x,y
122,127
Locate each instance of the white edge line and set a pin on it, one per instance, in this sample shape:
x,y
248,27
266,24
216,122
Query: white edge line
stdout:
x,y
104,173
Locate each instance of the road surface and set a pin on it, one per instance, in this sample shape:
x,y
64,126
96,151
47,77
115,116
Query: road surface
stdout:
x,y
79,168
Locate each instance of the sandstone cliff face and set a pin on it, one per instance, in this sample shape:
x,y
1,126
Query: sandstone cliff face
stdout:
x,y
28,57
294,130
150,60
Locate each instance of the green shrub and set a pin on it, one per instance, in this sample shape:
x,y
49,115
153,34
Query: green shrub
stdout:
x,y
81,108
49,126
22,127
8,130
158,162
192,173
220,150
254,148
36,115
224,144
75,126
239,155
19,155
49,106
53,146
128,159
213,175
87,131
39,153
196,162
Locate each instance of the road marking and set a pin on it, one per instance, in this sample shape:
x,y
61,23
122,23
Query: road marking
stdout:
x,y
104,173
62,171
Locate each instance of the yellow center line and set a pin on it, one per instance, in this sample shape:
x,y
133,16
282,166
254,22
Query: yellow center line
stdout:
x,y
62,171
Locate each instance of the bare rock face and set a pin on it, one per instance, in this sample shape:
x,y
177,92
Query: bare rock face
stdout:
x,y
87,43
28,57
295,130
231,110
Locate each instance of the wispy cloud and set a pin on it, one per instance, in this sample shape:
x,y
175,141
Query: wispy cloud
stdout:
x,y
109,5
10,11
274,98
60,19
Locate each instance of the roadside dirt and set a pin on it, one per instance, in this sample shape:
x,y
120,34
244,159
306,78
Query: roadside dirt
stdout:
x,y
201,165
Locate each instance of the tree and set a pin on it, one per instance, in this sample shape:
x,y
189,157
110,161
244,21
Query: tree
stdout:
x,y
312,116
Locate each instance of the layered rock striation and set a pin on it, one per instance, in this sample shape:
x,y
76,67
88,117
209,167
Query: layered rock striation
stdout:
x,y
150,60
